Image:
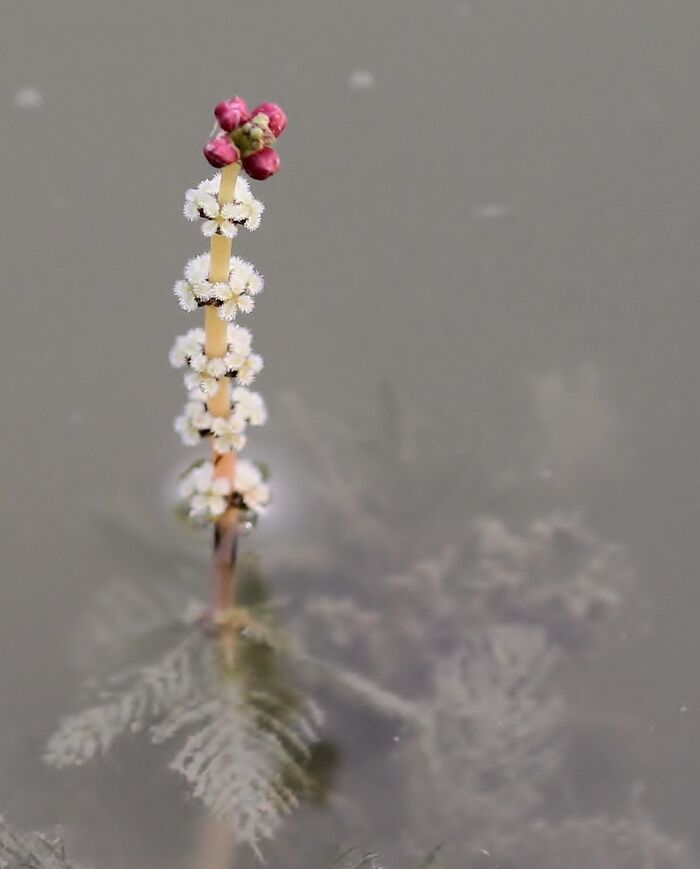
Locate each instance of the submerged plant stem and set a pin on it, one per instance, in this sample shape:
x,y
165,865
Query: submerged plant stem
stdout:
x,y
216,847
216,345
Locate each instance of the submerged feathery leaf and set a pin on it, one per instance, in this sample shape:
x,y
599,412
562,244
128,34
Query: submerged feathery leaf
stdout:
x,y
20,850
244,740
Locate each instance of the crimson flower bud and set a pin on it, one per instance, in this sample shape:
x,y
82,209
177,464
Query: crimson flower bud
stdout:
x,y
262,164
278,119
221,152
232,113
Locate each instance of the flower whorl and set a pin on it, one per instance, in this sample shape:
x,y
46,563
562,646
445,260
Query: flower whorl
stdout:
x,y
207,498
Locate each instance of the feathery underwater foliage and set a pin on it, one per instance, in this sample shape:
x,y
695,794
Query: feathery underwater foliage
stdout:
x,y
246,738
20,850
457,653
475,637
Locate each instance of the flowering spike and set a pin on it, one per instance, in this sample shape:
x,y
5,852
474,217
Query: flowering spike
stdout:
x,y
218,361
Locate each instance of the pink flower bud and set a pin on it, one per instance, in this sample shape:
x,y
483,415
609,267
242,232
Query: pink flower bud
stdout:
x,y
262,164
232,113
278,119
221,152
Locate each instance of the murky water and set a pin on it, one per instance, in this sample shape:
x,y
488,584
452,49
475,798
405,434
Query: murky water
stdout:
x,y
479,327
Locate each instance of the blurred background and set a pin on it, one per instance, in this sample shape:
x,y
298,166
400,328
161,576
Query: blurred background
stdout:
x,y
487,215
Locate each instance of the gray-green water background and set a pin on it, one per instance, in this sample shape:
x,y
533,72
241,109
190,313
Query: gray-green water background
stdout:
x,y
491,206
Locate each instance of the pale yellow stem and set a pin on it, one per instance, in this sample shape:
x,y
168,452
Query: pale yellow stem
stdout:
x,y
216,344
215,328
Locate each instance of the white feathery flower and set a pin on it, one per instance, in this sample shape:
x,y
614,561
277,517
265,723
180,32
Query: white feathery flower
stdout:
x,y
188,483
194,341
220,291
244,212
235,302
239,340
197,269
197,411
185,347
229,432
253,214
190,209
234,361
251,487
214,367
249,369
178,353
224,222
232,211
194,419
211,504
202,380
210,185
250,208
239,350
195,287
244,275
208,205
207,495
218,220
246,303
227,311
250,405
201,203
189,434
237,293
243,191
205,374
198,204
185,296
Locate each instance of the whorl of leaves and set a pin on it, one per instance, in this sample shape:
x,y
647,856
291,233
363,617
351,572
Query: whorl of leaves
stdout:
x,y
131,701
245,739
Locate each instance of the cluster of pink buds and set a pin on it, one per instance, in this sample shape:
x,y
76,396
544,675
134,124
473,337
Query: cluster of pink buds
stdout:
x,y
247,137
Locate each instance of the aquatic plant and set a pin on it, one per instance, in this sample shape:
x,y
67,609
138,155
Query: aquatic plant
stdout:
x,y
247,740
452,624
244,746
221,685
